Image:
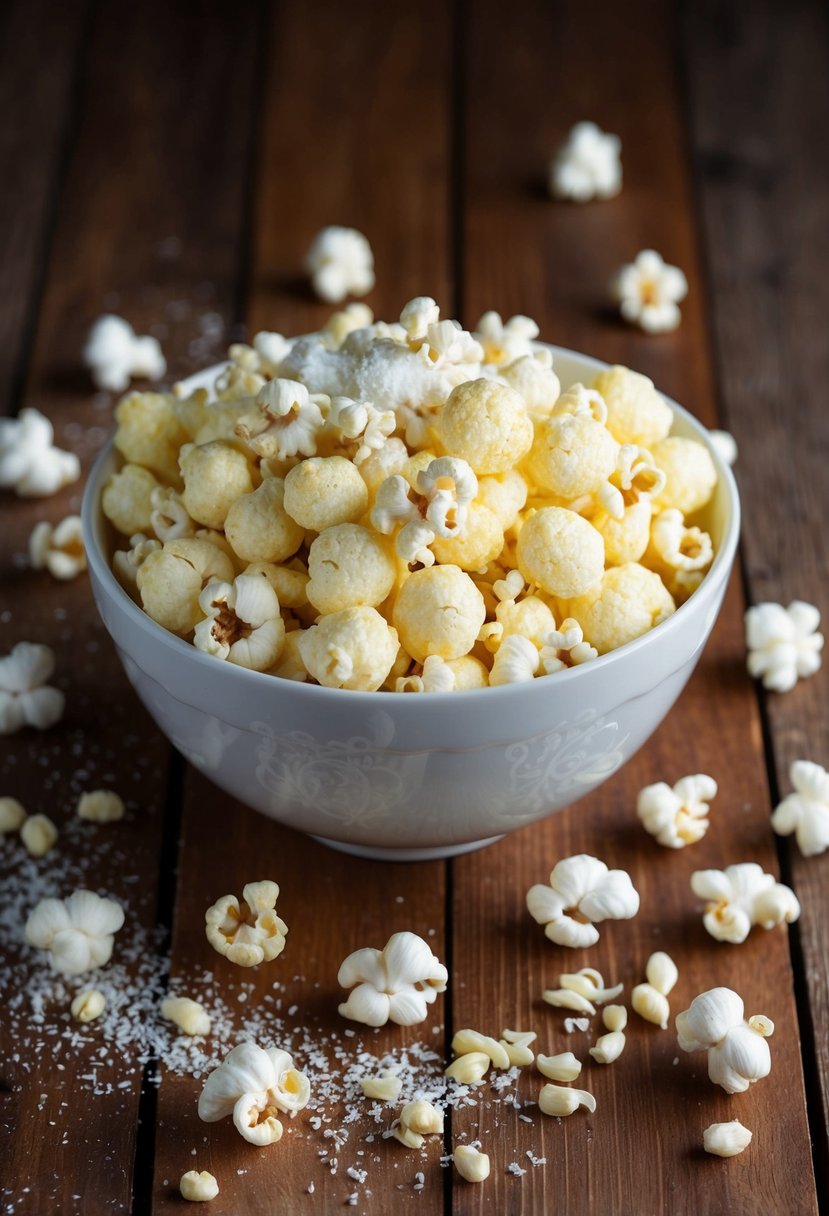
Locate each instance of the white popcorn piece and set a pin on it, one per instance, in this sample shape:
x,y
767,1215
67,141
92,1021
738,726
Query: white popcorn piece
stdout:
x,y
582,891
78,931
393,984
101,806
466,1040
340,263
38,834
360,425
725,445
448,486
30,464
578,991
516,1043
783,643
417,315
650,1000
88,1005
471,1163
198,1187
608,1047
60,549
588,165
726,1139
469,1068
679,547
418,1119
254,1085
741,896
565,647
114,354
738,1054
242,622
385,1088
562,1067
447,342
25,697
559,1100
503,342
286,422
12,816
189,1015
247,935
517,660
677,816
436,676
169,517
648,292
806,811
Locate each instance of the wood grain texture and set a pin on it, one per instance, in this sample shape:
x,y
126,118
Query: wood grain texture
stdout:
x,y
338,144
759,109
641,1152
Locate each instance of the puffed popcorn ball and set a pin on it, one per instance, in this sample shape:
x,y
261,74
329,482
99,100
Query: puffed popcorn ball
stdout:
x,y
340,263
393,984
648,292
254,1085
114,354
726,1139
582,893
25,697
30,464
588,165
738,1054
806,811
58,549
344,506
783,644
251,934
678,815
741,896
78,932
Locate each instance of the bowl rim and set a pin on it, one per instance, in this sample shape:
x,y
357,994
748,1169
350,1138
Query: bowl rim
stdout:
x,y
714,577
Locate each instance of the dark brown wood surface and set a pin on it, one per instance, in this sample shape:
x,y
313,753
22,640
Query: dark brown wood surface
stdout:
x,y
172,165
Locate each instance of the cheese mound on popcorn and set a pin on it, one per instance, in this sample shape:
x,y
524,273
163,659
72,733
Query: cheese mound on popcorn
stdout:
x,y
408,507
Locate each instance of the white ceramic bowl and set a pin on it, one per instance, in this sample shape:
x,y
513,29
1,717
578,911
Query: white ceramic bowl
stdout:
x,y
403,777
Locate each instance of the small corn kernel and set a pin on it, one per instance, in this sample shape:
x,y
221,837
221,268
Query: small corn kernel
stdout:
x,y
38,834
471,1164
198,1188
101,806
726,1139
563,1067
188,1015
385,1088
469,1068
557,1100
88,1005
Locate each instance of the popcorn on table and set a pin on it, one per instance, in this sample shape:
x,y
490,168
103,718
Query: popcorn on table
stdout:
x,y
650,1000
582,891
471,1163
393,984
738,1054
12,816
38,834
78,931
30,464
247,935
784,644
254,1085
741,896
25,697
88,1005
725,445
806,811
114,354
340,263
726,1139
648,292
588,165
60,549
190,1016
101,806
677,816
198,1187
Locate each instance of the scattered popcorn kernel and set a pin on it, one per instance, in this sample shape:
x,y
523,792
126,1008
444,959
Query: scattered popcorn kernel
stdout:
x,y
627,602
783,643
247,935
242,622
349,566
114,354
588,165
582,890
471,1163
78,931
325,491
88,1005
590,983
38,834
170,581
471,1040
557,1100
30,464
439,610
25,697
393,984
487,425
340,263
198,1187
385,1088
150,433
190,1016
59,550
650,1000
677,816
608,1047
690,476
563,1067
254,1085
469,1068
12,816
805,812
215,474
562,998
741,896
725,445
648,292
516,1043
726,1139
560,552
738,1054
354,648
636,411
418,1119
101,806
571,455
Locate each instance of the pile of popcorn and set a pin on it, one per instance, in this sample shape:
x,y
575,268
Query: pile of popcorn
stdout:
x,y
409,507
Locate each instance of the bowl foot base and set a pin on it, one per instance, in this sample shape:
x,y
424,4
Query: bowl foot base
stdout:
x,y
413,854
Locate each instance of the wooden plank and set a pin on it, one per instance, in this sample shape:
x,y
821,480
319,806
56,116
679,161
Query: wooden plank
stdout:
x,y
641,1152
759,108
338,101
155,139
39,44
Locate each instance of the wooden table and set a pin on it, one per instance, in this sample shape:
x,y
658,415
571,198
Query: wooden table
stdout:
x,y
171,163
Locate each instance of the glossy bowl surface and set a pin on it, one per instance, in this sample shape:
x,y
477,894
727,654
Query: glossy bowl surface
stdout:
x,y
403,777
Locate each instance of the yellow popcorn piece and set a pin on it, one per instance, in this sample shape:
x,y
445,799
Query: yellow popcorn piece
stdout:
x,y
349,566
150,433
100,806
560,552
625,539
439,610
290,665
469,672
533,377
354,648
636,412
259,528
215,474
487,424
627,602
571,455
289,582
170,581
505,495
689,472
38,834
126,500
324,491
477,544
